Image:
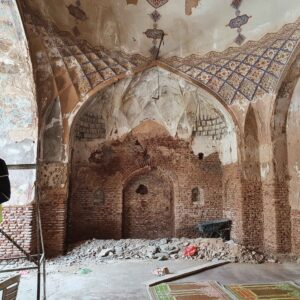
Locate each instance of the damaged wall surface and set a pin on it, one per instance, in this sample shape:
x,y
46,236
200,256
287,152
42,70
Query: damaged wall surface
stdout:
x,y
18,124
209,134
158,128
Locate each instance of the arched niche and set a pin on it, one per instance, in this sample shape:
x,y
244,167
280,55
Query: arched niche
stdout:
x,y
284,128
187,111
155,120
148,206
252,186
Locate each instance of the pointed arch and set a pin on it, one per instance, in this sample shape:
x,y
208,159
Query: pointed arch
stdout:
x,y
282,122
252,187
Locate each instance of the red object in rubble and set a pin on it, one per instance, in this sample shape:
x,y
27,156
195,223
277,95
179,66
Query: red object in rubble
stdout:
x,y
190,250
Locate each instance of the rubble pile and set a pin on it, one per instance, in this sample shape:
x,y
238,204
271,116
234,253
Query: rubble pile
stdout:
x,y
164,249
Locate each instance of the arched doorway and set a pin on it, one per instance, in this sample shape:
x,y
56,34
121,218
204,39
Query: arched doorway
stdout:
x,y
148,207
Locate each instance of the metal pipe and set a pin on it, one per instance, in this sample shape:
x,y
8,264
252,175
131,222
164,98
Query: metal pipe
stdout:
x,y
17,246
21,167
18,269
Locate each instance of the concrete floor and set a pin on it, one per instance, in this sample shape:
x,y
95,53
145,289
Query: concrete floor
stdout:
x,y
124,279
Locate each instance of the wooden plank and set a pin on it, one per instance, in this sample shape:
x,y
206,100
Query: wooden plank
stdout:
x,y
186,272
12,288
10,281
11,296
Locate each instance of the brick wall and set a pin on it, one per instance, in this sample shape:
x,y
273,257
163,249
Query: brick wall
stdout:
x,y
112,165
148,206
253,210
233,199
283,217
96,203
19,221
18,224
54,215
295,220
53,178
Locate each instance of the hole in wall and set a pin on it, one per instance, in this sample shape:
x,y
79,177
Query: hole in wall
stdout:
x,y
200,156
99,196
195,194
142,190
198,196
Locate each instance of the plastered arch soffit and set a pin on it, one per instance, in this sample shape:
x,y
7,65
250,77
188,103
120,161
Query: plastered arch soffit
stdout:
x,y
134,81
191,105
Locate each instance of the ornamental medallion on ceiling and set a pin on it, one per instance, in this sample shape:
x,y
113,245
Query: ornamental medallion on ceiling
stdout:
x,y
154,33
157,3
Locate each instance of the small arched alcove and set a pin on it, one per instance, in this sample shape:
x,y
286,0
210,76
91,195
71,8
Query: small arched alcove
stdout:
x,y
148,206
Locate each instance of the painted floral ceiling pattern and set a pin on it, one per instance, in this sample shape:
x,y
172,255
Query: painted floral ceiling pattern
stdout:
x,y
245,72
237,73
74,63
190,26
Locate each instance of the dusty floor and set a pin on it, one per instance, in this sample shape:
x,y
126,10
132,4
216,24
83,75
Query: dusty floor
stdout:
x,y
124,279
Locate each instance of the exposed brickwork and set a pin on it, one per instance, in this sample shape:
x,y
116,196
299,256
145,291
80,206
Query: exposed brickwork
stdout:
x,y
148,210
53,206
17,223
171,157
283,217
252,214
295,217
232,195
252,187
90,126
270,228
54,215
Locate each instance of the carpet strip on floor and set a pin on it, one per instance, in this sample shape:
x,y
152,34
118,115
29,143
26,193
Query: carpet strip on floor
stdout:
x,y
187,291
273,291
211,290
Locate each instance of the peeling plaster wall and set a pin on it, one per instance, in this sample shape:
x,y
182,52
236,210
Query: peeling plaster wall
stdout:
x,y
51,150
18,123
293,137
97,207
293,150
69,71
176,122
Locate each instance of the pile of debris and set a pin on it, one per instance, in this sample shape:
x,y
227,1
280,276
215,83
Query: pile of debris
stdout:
x,y
164,249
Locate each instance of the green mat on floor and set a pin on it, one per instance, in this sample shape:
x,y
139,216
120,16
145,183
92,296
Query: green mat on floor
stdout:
x,y
187,291
211,290
272,291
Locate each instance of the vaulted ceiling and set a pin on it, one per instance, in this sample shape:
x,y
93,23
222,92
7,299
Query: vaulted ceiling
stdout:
x,y
190,26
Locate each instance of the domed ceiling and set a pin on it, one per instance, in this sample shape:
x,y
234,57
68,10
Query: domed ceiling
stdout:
x,y
188,26
236,49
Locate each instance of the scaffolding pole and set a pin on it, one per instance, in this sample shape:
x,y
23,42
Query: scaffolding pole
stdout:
x,y
37,259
